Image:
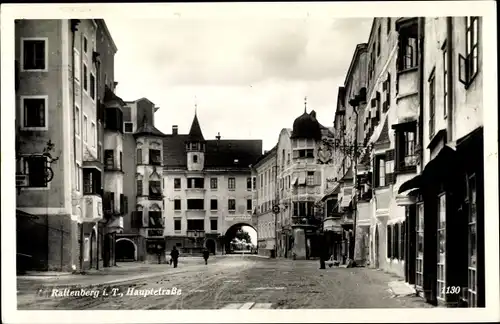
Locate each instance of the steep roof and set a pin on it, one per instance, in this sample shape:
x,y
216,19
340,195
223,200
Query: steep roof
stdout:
x,y
218,153
147,129
195,133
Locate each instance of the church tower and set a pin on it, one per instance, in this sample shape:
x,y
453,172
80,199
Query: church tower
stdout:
x,y
195,147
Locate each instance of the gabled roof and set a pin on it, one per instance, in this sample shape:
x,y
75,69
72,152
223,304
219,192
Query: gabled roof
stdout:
x,y
195,133
218,153
265,155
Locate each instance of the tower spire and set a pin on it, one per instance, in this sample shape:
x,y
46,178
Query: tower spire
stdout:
x,y
195,105
305,104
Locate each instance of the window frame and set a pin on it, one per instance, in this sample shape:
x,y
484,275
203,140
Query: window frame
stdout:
x,y
251,204
85,128
177,183
216,204
85,78
471,294
378,164
141,186
92,88
212,182
229,200
24,164
419,256
470,45
179,222
125,128
229,181
46,49
78,117
431,83
212,220
444,50
46,112
77,72
93,133
179,201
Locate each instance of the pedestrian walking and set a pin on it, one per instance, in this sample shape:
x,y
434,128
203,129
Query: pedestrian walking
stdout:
x,y
206,254
175,256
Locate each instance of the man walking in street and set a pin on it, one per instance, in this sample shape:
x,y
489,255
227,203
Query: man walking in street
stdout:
x,y
175,256
206,254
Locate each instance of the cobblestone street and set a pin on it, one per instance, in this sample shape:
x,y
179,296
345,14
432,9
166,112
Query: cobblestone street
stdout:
x,y
244,282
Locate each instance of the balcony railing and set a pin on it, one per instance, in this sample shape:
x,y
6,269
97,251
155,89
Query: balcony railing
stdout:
x,y
195,233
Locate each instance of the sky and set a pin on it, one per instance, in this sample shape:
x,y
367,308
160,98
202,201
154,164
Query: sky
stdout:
x,y
247,77
251,232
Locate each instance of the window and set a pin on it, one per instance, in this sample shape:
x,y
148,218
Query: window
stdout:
x,y
196,204
231,183
432,104
177,225
92,86
231,204
441,237
303,209
196,225
35,112
213,183
419,279
177,183
34,51
396,241
155,219
378,40
128,127
380,171
310,178
85,77
288,159
85,128
254,183
77,120
469,63
213,224
408,48
139,187
309,153
445,78
35,168
389,241
77,73
109,159
249,204
121,160
85,44
86,247
213,204
139,156
472,242
154,157
195,158
197,183
93,134
388,25
154,188
177,204
249,183
406,158
91,181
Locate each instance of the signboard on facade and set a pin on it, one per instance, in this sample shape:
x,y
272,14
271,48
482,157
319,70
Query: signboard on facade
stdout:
x,y
155,232
240,218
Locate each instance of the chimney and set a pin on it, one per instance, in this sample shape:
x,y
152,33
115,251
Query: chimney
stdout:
x,y
175,130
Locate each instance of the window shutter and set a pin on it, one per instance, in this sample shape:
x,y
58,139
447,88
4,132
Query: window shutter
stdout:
x,y
317,176
389,174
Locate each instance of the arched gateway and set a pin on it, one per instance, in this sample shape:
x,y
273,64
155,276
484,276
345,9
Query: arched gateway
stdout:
x,y
231,232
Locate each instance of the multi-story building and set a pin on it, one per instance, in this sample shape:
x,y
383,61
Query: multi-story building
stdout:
x,y
64,198
142,195
265,173
208,189
445,202
302,166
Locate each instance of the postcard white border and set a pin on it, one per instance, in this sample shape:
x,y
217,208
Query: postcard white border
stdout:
x,y
311,10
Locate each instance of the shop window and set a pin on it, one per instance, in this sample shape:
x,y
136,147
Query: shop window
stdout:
x,y
441,237
472,243
419,271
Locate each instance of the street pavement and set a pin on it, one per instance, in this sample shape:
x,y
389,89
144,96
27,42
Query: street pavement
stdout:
x,y
227,282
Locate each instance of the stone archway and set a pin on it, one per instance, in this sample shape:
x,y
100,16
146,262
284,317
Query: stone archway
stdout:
x,y
231,233
126,250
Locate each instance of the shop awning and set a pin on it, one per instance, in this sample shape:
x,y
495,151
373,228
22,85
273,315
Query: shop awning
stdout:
x,y
332,192
302,178
346,197
440,167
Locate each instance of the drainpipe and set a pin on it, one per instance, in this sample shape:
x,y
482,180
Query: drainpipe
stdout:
x,y
74,28
449,67
421,32
98,74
